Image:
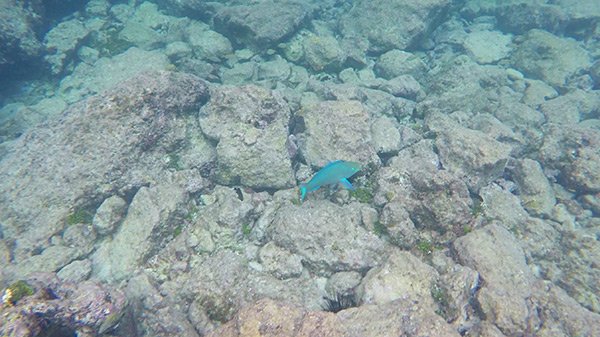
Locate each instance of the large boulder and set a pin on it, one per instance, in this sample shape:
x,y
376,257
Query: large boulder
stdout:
x,y
337,130
18,39
261,24
109,144
392,24
328,237
468,153
250,126
550,58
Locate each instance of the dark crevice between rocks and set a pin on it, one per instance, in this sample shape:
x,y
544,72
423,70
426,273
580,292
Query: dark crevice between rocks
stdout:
x,y
338,302
54,330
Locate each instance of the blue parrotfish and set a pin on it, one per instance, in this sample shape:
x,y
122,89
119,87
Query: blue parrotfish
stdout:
x,y
335,172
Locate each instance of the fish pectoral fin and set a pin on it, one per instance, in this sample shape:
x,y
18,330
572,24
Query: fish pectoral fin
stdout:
x,y
346,184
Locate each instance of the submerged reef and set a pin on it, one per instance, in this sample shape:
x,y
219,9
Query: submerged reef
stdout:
x,y
151,165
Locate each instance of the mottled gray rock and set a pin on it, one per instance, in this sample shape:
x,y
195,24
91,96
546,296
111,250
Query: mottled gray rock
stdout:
x,y
250,125
503,206
519,16
385,135
463,85
537,92
15,118
571,319
148,216
550,58
508,280
208,45
240,73
572,107
443,201
280,262
50,260
270,73
469,153
402,317
76,271
337,130
323,53
178,50
575,151
107,157
81,236
398,225
398,24
392,182
342,283
535,189
493,127
327,236
107,72
402,276
62,41
404,86
159,316
18,39
279,319
487,46
395,63
262,24
109,214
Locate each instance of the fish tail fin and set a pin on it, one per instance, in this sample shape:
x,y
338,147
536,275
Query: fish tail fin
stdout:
x,y
302,192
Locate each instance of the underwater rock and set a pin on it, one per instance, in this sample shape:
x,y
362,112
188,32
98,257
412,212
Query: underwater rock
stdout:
x,y
156,314
262,24
109,214
18,34
76,271
277,319
402,317
397,223
87,308
62,41
91,152
468,153
575,151
550,58
404,86
144,229
208,45
337,130
392,24
280,262
385,135
402,275
487,46
535,190
323,53
461,84
571,108
328,237
249,124
508,280
396,62
107,72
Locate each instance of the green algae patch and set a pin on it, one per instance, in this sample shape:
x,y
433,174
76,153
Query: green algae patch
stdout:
x,y
80,216
16,291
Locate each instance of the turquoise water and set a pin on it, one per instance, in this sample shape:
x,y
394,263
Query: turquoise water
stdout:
x,y
151,155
